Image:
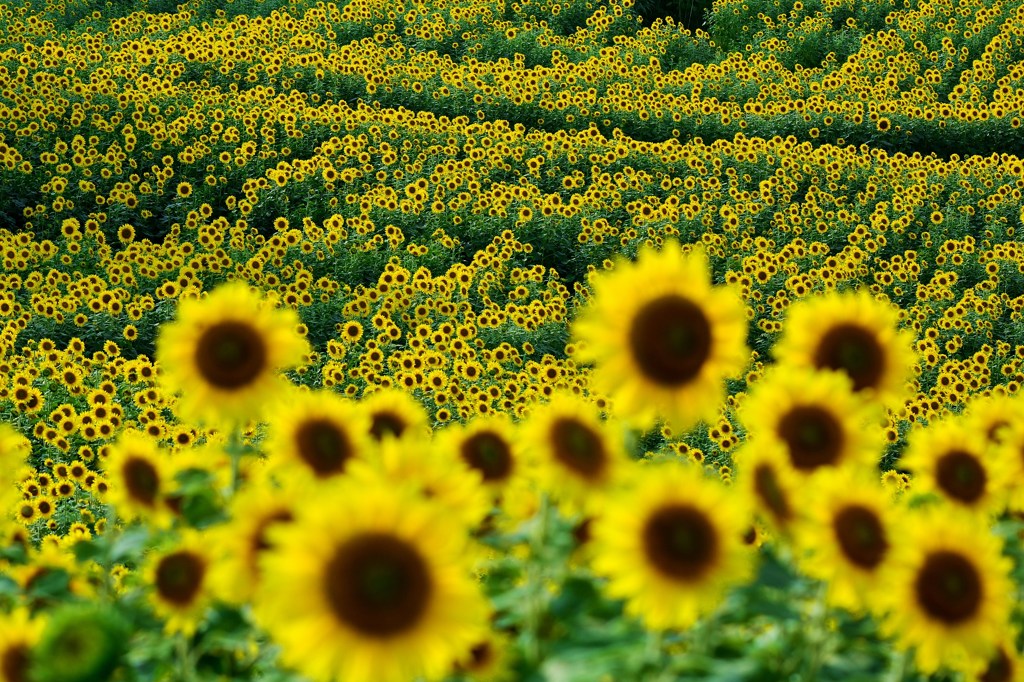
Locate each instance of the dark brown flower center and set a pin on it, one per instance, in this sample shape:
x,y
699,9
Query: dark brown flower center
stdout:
x,y
1000,668
489,454
861,535
378,585
948,587
323,446
813,435
855,350
260,542
179,577
578,447
481,656
680,541
961,476
14,663
766,486
141,480
231,355
387,424
670,339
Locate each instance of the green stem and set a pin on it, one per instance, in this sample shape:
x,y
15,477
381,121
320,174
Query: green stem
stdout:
x,y
817,635
900,666
184,659
536,581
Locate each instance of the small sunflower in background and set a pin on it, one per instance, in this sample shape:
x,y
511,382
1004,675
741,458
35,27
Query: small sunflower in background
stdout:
x,y
19,634
224,352
815,416
662,338
954,461
852,333
1004,665
671,544
765,476
578,456
180,580
392,413
317,433
487,660
140,478
376,591
947,591
847,536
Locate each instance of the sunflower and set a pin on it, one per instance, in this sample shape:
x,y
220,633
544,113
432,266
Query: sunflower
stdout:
x,y
180,578
578,456
662,338
317,434
848,535
765,476
14,450
671,544
951,459
433,472
140,478
1005,665
375,591
992,414
19,633
393,412
815,416
240,542
488,446
1010,452
948,591
852,333
223,354
487,660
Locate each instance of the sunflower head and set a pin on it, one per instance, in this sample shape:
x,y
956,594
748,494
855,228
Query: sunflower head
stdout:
x,y
393,413
317,434
180,580
140,478
662,338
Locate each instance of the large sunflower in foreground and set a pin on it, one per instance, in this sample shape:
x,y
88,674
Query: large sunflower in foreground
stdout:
x,y
662,338
671,544
374,591
953,460
816,417
852,333
848,535
765,477
181,585
19,633
224,352
947,591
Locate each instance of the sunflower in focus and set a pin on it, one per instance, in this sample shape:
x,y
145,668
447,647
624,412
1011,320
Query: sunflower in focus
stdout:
x,y
848,535
662,338
317,433
948,591
578,456
953,460
180,580
375,591
140,478
852,333
224,352
392,413
671,544
816,418
19,633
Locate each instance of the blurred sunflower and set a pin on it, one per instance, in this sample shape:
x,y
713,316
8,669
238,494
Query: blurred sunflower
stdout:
x,y
180,578
852,333
375,591
139,479
662,338
317,433
19,633
948,592
488,446
393,412
223,354
487,660
847,536
671,544
578,456
1005,665
993,414
953,460
815,416
765,476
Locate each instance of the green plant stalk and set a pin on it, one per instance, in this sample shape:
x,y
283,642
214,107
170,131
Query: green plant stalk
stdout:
x,y
535,577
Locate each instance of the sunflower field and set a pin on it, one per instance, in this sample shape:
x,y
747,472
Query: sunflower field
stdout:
x,y
511,340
